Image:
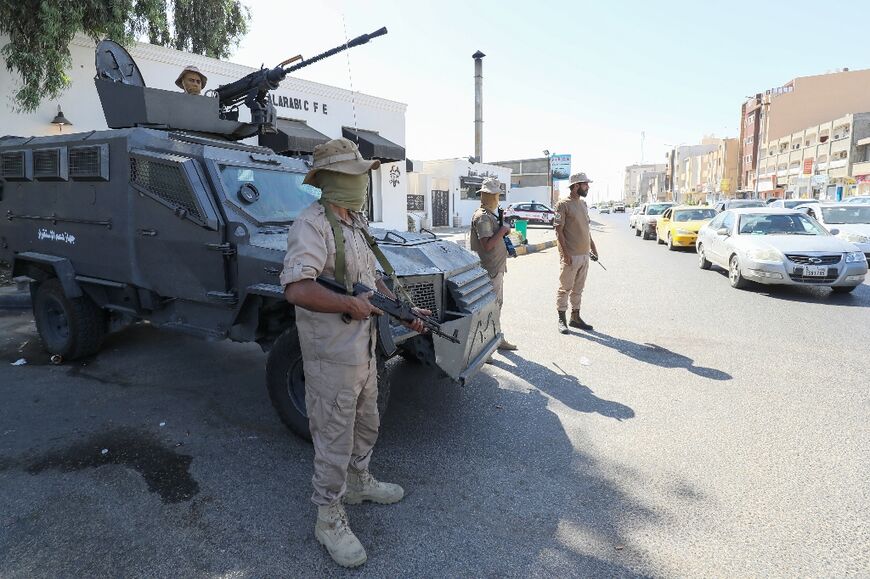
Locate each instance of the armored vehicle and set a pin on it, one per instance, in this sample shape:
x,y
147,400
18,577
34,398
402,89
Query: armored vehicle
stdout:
x,y
184,226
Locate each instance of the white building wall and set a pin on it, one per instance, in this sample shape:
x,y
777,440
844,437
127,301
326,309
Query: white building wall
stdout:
x,y
325,108
449,172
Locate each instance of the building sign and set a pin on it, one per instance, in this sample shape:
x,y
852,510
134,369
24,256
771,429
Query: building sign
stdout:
x,y
560,167
808,166
285,102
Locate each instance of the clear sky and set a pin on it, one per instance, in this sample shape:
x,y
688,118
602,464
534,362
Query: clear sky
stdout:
x,y
585,78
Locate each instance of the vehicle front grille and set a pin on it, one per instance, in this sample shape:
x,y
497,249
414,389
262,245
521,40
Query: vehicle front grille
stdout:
x,y
820,280
812,259
423,296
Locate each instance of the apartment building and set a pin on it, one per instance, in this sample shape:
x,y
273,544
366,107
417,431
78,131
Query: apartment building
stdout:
x,y
685,170
823,161
719,171
642,183
802,102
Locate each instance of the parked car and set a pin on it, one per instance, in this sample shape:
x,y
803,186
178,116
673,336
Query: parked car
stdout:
x,y
857,199
727,204
849,221
632,218
779,246
604,209
679,226
530,211
645,225
788,203
619,206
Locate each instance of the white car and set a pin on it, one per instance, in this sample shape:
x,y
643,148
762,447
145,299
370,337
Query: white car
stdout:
x,y
779,246
849,221
633,216
857,199
788,203
648,219
530,211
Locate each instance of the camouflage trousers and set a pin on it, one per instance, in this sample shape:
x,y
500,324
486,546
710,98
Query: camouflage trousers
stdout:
x,y
343,417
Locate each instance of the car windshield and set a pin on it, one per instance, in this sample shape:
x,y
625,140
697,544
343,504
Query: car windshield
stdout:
x,y
847,215
745,203
276,197
657,209
858,200
694,214
779,224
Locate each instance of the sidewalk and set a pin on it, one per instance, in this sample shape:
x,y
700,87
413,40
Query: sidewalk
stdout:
x,y
16,296
539,238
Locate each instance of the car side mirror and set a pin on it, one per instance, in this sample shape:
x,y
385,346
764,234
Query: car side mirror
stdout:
x,y
835,231
722,231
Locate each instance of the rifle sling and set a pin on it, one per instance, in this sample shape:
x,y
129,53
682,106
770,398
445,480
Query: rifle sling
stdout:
x,y
340,271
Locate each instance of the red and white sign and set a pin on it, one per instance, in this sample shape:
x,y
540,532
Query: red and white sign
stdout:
x,y
808,166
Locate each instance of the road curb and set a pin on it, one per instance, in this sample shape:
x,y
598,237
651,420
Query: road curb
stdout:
x,y
11,298
535,247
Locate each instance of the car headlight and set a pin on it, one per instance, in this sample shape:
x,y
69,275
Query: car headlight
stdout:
x,y
855,257
685,232
765,255
855,237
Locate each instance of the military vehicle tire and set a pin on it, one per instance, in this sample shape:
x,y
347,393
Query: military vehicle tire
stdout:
x,y
72,328
285,381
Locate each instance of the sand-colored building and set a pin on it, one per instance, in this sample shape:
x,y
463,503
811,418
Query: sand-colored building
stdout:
x,y
802,102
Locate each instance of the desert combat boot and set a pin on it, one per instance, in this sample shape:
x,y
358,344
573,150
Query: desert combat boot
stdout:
x,y
577,321
362,486
333,532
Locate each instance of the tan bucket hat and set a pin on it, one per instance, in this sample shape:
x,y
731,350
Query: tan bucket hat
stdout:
x,y
339,155
490,185
190,68
579,178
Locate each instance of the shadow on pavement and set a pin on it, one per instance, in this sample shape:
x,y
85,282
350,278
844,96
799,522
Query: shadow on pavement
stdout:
x,y
653,354
564,387
859,298
500,489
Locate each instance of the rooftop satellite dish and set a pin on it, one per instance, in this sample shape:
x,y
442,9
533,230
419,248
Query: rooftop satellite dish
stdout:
x,y
114,63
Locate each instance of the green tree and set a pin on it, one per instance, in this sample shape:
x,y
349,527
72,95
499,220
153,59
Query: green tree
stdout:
x,y
40,32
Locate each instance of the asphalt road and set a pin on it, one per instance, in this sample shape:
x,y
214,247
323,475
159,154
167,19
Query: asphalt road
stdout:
x,y
699,431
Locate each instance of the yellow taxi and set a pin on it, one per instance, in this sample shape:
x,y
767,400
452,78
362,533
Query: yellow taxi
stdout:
x,y
678,226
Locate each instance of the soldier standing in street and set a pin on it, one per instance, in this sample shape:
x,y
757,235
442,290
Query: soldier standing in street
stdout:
x,y
575,244
487,239
191,80
330,238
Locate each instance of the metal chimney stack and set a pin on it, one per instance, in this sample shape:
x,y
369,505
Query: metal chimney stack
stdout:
x,y
478,105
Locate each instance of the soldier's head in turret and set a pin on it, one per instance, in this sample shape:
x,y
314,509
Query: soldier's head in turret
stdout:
x,y
191,80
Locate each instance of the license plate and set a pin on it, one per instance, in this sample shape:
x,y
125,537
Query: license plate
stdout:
x,y
815,271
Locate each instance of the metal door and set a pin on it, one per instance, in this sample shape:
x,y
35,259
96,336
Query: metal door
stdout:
x,y
180,250
440,209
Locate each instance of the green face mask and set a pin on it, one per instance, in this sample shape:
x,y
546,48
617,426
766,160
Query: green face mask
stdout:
x,y
348,191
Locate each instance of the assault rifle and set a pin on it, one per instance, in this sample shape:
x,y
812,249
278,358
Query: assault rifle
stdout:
x,y
507,240
254,88
594,257
401,310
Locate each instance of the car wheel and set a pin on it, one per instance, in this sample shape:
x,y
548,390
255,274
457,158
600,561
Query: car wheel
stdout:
x,y
72,328
734,276
703,262
843,289
671,245
636,232
659,240
285,381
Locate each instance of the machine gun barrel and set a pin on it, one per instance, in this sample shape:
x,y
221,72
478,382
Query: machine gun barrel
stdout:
x,y
396,308
264,80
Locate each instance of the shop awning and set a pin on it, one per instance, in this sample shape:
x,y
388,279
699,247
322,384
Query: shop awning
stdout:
x,y
374,146
293,136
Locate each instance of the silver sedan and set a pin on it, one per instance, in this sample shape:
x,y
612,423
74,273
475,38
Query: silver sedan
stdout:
x,y
779,246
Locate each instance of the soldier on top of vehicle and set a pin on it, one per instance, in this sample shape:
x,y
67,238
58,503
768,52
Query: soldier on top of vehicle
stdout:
x,y
191,80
